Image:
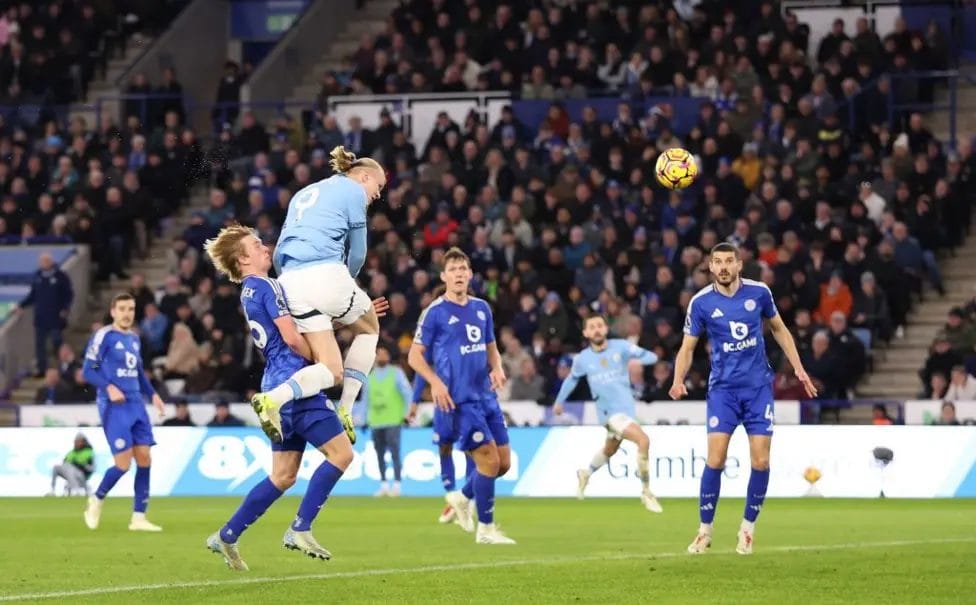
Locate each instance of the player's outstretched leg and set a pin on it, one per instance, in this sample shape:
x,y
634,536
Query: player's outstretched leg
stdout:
x,y
755,492
338,453
257,501
306,382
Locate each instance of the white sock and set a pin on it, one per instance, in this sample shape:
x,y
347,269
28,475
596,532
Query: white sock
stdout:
x,y
642,469
306,382
705,528
748,526
357,365
138,516
599,459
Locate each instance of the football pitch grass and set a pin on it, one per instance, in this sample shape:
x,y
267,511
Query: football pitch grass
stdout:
x,y
596,551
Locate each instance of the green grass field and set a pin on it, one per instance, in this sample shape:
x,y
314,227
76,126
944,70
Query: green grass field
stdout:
x,y
597,551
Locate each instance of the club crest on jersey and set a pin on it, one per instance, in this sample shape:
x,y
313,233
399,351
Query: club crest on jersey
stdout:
x,y
750,305
481,315
616,357
603,362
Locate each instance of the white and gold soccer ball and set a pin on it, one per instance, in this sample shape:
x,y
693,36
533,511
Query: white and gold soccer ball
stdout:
x,y
676,168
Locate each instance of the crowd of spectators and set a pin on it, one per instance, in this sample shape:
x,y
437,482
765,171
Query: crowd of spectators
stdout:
x,y
562,219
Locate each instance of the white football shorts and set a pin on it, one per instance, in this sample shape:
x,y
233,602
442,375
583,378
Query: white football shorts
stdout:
x,y
317,295
617,424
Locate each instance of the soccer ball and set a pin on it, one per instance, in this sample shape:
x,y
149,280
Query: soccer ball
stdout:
x,y
676,168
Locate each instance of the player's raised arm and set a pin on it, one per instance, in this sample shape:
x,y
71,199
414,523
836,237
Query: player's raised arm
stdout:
x,y
645,357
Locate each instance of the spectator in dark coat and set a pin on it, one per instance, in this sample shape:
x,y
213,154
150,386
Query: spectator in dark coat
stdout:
x,y
51,295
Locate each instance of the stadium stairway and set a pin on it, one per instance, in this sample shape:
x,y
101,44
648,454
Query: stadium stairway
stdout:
x,y
370,19
105,87
153,267
896,367
939,122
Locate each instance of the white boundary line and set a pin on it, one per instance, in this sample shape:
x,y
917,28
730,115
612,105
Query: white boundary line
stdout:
x,y
454,567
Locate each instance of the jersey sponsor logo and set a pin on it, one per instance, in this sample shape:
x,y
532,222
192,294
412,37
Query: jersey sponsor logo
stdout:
x,y
258,334
750,305
717,313
129,371
474,336
740,332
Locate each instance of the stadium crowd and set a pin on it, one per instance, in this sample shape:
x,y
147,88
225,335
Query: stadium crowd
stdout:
x,y
841,211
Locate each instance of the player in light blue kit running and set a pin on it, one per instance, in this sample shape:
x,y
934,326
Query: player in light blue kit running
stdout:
x,y
238,253
321,249
457,333
740,390
113,365
604,363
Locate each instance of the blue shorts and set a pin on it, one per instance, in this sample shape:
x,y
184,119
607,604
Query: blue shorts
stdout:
x,y
481,422
445,426
126,425
313,421
752,408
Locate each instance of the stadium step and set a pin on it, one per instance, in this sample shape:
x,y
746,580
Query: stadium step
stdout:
x,y
895,373
372,19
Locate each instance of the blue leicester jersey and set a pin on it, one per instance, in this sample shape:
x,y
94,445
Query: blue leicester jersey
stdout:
x,y
456,339
326,223
113,357
734,325
607,374
263,301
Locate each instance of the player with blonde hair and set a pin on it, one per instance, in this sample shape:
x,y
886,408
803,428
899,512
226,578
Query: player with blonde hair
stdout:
x,y
321,249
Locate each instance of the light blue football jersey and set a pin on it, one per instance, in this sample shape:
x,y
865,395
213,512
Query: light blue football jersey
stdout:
x,y
734,326
326,223
606,373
